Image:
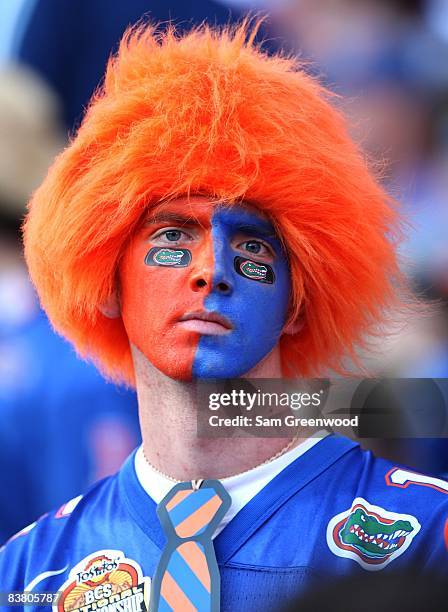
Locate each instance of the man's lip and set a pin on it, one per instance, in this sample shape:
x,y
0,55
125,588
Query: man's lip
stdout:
x,y
211,317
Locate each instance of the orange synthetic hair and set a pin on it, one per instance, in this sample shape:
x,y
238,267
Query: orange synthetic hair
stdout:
x,y
210,113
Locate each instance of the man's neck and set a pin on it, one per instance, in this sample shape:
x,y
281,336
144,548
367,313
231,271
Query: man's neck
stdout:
x,y
168,419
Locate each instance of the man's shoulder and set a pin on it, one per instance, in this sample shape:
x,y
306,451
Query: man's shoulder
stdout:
x,y
337,471
353,471
360,478
385,479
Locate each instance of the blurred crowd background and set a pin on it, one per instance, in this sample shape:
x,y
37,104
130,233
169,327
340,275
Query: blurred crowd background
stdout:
x,y
61,426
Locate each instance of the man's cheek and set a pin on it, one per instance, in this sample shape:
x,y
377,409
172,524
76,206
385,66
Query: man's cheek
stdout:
x,y
153,298
147,276
263,304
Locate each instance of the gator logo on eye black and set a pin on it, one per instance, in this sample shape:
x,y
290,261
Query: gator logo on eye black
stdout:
x,y
174,258
370,535
254,271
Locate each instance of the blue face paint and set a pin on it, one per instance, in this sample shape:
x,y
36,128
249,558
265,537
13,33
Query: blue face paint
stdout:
x,y
257,310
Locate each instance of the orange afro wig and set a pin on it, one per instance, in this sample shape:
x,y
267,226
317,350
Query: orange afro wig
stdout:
x,y
208,112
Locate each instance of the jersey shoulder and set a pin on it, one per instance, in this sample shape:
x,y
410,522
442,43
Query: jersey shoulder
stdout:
x,y
387,480
384,509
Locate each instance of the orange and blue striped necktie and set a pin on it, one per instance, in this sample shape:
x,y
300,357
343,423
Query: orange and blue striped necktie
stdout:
x,y
187,576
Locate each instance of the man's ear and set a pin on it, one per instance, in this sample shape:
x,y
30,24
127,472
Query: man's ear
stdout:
x,y
110,308
293,327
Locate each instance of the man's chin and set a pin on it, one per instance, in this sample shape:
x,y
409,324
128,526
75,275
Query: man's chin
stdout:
x,y
214,360
219,369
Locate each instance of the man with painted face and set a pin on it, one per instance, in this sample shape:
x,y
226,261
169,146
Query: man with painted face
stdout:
x,y
215,283
212,219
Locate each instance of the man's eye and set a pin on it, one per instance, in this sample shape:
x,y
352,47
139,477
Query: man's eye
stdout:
x,y
173,235
255,247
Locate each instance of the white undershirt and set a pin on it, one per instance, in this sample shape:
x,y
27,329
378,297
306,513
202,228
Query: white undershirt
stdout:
x,y
241,488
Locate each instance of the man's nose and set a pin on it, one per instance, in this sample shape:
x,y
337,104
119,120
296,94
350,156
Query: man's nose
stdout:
x,y
200,283
212,272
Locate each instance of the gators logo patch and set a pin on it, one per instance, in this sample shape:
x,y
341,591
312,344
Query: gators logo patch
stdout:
x,y
370,535
175,258
105,580
253,270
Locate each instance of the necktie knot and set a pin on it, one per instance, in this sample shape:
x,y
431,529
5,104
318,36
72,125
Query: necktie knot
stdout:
x,y
192,512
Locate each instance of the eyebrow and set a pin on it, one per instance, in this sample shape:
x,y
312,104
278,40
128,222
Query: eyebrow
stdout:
x,y
259,230
170,217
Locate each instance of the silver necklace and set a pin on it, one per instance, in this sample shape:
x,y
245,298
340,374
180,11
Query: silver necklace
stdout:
x,y
197,482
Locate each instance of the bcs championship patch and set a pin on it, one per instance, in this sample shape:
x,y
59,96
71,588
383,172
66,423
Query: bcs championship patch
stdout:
x,y
105,580
370,535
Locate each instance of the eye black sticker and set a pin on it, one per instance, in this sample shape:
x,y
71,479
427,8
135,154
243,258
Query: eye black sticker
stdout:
x,y
169,258
261,272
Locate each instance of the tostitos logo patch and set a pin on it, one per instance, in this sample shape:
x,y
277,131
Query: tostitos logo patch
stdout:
x,y
105,580
370,535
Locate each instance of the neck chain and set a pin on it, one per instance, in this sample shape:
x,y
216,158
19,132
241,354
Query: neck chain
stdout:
x,y
196,483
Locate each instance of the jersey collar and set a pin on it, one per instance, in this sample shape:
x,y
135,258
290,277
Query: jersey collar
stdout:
x,y
277,492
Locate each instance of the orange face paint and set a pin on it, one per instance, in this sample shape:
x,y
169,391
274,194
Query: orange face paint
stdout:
x,y
155,297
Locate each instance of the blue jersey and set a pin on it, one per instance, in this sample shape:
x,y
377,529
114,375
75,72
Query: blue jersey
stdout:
x,y
335,510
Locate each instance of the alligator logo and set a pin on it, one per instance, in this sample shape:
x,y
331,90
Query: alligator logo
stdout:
x,y
178,258
370,535
168,257
253,270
